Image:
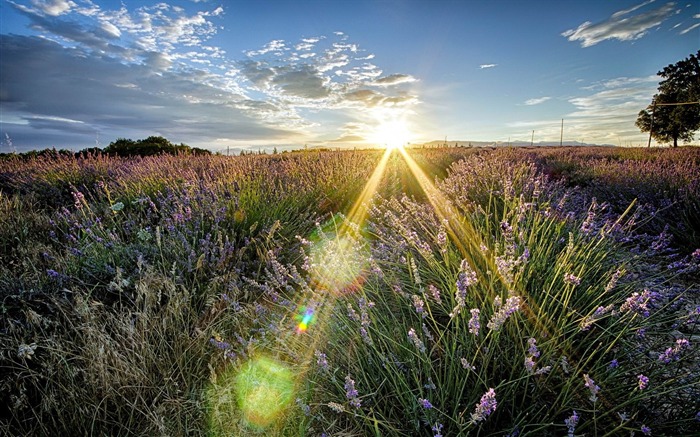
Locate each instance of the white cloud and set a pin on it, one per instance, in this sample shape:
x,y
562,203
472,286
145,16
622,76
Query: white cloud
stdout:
x,y
394,79
694,26
482,66
621,25
536,101
53,8
274,46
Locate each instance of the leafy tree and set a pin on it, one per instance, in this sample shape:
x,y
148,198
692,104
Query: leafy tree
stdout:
x,y
153,145
667,120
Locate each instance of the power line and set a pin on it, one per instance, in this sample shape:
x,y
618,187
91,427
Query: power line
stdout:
x,y
672,104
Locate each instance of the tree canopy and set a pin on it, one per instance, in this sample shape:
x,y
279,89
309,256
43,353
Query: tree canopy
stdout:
x,y
153,145
674,112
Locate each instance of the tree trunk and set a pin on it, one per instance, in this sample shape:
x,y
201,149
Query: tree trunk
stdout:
x,y
675,141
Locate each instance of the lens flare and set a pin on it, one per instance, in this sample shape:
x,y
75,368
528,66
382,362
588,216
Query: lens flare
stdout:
x,y
264,389
339,256
306,317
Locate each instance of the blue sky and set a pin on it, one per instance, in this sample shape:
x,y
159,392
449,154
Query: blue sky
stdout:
x,y
239,74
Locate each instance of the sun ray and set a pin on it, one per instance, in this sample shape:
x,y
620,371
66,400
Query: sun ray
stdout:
x,y
465,237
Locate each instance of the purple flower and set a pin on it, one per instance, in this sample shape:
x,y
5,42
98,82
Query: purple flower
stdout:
x,y
594,389
78,199
53,273
532,348
474,324
614,363
646,430
673,353
435,293
418,304
425,403
415,340
572,279
304,407
485,407
637,303
642,381
466,364
437,429
321,360
220,344
351,392
571,423
503,311
465,279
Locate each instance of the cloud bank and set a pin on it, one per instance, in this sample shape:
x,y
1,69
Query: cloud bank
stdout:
x,y
90,74
623,25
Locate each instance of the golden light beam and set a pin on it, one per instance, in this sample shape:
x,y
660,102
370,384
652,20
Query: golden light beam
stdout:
x,y
359,210
465,237
310,322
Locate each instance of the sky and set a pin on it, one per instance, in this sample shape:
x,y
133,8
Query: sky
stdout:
x,y
235,74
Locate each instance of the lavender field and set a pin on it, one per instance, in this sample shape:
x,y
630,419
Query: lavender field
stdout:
x,y
416,292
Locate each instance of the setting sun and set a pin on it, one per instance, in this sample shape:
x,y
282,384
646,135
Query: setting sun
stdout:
x,y
391,134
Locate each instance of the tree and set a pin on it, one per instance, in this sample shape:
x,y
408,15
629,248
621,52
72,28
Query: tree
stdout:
x,y
674,112
153,145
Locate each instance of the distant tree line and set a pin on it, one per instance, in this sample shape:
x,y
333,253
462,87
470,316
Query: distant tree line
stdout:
x,y
153,145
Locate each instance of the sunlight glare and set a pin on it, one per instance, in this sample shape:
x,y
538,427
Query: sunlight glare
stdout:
x,y
391,134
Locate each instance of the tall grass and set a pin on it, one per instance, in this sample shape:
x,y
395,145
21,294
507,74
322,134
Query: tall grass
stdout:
x,y
226,296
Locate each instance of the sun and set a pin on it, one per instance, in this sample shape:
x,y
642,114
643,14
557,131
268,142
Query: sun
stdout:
x,y
391,134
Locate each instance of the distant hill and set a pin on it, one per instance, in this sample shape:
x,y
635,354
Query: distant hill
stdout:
x,y
514,143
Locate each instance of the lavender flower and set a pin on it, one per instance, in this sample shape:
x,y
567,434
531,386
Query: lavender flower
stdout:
x,y
304,407
503,311
321,360
614,363
571,423
425,403
613,280
466,364
419,305
465,279
415,340
351,392
673,353
437,429
78,199
532,348
637,303
485,407
474,325
642,381
532,353
435,293
220,344
572,279
594,389
646,430
336,407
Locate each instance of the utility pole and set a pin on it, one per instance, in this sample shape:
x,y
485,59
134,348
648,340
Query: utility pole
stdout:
x,y
561,137
651,127
532,141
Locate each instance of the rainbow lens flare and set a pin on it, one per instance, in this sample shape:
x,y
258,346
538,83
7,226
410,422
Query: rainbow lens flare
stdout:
x,y
306,317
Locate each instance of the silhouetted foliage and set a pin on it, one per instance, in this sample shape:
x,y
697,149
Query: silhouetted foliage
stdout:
x,y
681,84
153,145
